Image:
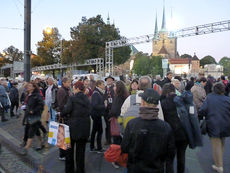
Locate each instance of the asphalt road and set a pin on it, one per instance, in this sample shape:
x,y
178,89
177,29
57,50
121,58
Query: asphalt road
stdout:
x,y
197,161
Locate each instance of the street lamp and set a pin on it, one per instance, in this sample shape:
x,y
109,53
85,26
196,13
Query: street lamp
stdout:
x,y
48,30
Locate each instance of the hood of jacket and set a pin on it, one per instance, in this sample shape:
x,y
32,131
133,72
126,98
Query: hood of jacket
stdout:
x,y
148,113
81,99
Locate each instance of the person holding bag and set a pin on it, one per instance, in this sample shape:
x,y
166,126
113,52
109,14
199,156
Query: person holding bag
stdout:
x,y
121,93
78,109
34,108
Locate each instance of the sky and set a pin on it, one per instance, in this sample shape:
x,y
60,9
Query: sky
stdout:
x,y
133,18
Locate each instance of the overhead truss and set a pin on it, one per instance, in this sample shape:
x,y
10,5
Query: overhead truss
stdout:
x,y
99,62
186,32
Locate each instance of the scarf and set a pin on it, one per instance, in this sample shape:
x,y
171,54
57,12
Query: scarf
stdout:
x,y
148,113
101,90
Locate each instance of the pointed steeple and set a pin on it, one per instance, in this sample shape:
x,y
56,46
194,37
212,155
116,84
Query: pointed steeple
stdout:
x,y
156,27
108,20
163,26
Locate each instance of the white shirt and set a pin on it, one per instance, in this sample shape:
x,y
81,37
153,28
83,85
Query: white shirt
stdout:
x,y
48,98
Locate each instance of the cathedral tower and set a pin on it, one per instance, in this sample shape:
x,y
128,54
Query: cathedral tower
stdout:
x,y
163,44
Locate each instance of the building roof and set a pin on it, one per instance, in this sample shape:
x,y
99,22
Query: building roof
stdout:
x,y
179,61
195,57
163,51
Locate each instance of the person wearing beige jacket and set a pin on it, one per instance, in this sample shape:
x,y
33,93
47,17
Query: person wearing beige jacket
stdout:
x,y
199,93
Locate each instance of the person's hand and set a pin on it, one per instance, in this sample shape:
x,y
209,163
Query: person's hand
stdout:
x,y
106,103
31,112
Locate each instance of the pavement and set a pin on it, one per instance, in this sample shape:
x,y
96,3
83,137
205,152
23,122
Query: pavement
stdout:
x,y
198,160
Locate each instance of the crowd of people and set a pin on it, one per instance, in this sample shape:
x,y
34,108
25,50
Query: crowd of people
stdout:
x,y
152,115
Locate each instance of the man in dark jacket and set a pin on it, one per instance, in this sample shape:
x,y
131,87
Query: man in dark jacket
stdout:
x,y
167,79
97,111
148,140
14,98
108,96
62,98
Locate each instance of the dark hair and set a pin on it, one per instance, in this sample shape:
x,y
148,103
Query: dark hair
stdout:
x,y
168,73
178,78
202,79
64,80
79,85
219,88
192,78
121,90
222,77
167,89
85,78
134,81
36,88
99,82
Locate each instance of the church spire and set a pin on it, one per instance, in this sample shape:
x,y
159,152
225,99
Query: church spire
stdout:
x,y
163,26
108,20
156,27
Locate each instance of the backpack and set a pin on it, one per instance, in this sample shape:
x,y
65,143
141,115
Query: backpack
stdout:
x,y
133,110
157,88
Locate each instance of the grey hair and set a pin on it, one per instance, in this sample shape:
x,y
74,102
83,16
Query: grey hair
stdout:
x,y
145,82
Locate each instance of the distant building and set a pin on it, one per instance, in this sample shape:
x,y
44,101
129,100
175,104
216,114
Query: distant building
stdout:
x,y
162,44
180,66
214,70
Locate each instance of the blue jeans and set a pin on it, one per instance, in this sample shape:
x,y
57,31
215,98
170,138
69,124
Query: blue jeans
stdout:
x,y
125,170
52,113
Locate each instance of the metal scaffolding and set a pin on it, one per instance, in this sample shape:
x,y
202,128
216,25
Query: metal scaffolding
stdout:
x,y
186,32
99,62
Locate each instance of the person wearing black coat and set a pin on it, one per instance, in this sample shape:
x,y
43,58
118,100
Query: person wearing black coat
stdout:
x,y
216,110
97,111
171,116
77,113
148,140
63,95
167,79
34,107
108,97
14,98
121,93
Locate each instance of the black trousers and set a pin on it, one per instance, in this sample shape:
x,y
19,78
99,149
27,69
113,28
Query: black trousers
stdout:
x,y
2,113
107,130
180,153
117,140
27,128
79,151
13,104
97,129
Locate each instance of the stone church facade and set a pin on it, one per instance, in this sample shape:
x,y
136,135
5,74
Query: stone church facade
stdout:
x,y
163,44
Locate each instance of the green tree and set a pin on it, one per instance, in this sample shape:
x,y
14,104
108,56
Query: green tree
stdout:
x,y
89,38
49,49
12,54
145,65
225,62
207,60
156,63
186,56
66,52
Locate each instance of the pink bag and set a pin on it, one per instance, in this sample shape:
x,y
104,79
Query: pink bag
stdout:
x,y
114,127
